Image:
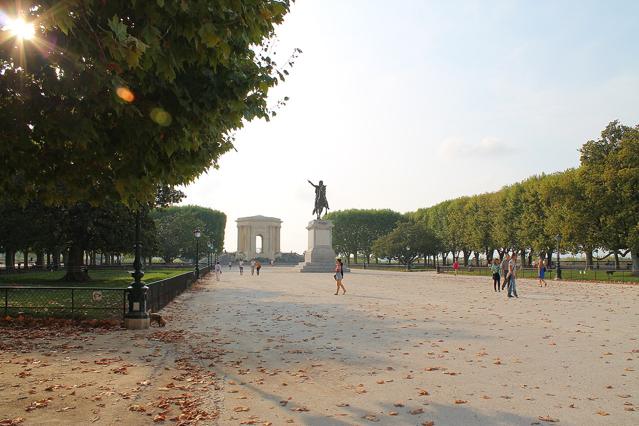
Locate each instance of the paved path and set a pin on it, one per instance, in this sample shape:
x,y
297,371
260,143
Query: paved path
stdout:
x,y
409,348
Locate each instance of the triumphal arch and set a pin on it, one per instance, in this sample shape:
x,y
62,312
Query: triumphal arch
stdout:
x,y
258,236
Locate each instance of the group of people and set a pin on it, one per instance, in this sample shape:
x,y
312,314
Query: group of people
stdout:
x,y
507,268
256,265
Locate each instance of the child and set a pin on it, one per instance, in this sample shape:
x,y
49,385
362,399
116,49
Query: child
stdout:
x,y
541,269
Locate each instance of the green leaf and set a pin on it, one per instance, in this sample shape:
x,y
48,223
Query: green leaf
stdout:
x,y
118,28
208,36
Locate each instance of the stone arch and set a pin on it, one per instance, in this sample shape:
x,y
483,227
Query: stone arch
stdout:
x,y
249,228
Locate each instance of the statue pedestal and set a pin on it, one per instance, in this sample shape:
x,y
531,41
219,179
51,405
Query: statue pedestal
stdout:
x,y
320,256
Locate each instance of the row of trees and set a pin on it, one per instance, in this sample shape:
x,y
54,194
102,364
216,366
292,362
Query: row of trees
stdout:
x,y
592,208
82,234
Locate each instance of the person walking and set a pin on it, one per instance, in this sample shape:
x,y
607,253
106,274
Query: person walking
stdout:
x,y
512,276
230,264
252,266
541,272
495,268
504,269
455,266
218,271
240,264
339,276
258,266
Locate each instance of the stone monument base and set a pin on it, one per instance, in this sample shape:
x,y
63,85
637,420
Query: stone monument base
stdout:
x,y
320,256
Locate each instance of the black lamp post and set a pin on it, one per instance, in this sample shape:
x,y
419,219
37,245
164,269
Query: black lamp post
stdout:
x,y
197,235
558,238
137,317
210,245
597,257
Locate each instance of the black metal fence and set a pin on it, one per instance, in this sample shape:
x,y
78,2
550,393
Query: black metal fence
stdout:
x,y
391,266
89,302
570,274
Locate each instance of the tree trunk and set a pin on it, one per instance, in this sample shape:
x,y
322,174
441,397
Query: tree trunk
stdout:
x,y
477,259
55,259
466,256
616,259
589,262
634,255
40,259
355,258
75,271
10,259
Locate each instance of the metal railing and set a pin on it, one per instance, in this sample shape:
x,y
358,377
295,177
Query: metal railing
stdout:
x,y
392,266
89,302
569,274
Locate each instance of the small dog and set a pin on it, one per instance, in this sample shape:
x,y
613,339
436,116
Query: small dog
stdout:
x,y
155,317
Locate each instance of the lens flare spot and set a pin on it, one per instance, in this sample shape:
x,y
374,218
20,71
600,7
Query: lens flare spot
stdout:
x,y
161,116
125,94
20,28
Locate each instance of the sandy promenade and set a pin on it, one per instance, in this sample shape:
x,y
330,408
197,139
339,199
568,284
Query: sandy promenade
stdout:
x,y
412,348
398,348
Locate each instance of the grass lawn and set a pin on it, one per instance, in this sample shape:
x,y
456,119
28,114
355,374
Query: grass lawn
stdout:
x,y
566,274
99,278
78,300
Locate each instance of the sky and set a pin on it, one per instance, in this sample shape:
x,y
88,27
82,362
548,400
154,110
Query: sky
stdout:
x,y
405,104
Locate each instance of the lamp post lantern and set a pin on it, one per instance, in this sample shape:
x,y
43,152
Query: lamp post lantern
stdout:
x,y
197,235
558,275
137,317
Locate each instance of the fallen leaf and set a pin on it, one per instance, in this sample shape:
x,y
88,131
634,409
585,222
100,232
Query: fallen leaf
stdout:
x,y
416,411
460,401
548,419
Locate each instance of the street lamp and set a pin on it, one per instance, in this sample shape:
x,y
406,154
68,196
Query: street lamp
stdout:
x,y
597,257
210,245
558,274
197,235
137,317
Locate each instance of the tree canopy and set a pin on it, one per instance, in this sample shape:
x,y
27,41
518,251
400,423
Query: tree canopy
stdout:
x,y
355,230
175,226
113,97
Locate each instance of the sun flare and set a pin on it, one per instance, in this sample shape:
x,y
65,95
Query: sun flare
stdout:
x,y
21,29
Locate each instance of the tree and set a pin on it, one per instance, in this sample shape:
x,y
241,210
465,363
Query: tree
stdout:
x,y
175,226
112,98
610,168
355,230
406,243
